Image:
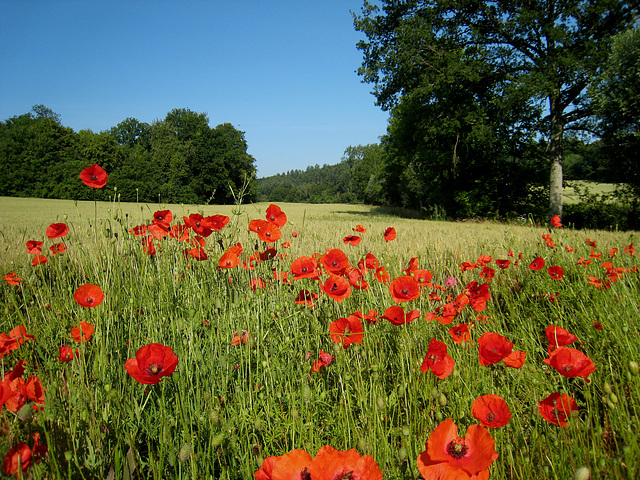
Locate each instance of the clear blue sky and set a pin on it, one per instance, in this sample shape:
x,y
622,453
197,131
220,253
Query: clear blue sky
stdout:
x,y
281,71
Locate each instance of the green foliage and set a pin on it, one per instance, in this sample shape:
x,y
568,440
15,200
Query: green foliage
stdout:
x,y
178,159
478,81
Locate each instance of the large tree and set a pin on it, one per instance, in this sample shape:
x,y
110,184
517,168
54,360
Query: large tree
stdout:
x,y
538,54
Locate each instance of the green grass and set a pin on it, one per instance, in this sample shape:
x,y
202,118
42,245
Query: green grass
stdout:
x,y
226,408
571,196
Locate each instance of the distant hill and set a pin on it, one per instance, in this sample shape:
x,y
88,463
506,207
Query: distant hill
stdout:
x,y
316,184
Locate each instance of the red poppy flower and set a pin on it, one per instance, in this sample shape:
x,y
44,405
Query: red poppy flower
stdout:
x,y
292,465
557,408
357,280
67,354
337,287
404,289
332,464
422,277
359,229
537,264
516,359
35,390
558,337
555,221
58,248
94,176
18,457
484,260
397,316
196,252
352,240
487,273
491,411
492,348
448,456
389,234
547,239
163,217
629,249
196,222
12,278
369,262
152,363
276,216
34,247
83,332
335,261
215,222
38,260
437,360
229,259
346,330
382,275
556,272
304,267
591,243
238,340
503,263
57,230
88,295
307,298
257,283
324,359
267,232
460,333
570,362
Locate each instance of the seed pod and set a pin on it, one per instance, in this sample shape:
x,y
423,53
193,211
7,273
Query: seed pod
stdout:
x,y
633,367
185,452
583,473
217,440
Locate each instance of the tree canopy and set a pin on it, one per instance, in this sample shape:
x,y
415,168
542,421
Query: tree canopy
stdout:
x,y
471,85
177,159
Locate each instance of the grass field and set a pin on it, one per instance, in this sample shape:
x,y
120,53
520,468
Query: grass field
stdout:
x,y
253,378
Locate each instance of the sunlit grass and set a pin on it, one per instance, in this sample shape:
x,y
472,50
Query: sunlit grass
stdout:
x,y
226,407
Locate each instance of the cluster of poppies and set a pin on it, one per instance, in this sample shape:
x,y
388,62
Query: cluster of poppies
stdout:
x,y
34,247
15,393
328,464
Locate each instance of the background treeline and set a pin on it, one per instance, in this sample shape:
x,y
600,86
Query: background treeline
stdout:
x,y
179,159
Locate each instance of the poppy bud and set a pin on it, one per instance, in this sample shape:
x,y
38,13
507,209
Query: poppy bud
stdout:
x,y
402,454
306,393
607,388
217,440
613,398
442,400
26,412
633,367
583,473
185,452
380,402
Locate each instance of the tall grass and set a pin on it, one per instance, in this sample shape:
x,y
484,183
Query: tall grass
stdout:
x,y
227,407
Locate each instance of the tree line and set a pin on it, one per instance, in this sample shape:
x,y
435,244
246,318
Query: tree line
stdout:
x,y
179,159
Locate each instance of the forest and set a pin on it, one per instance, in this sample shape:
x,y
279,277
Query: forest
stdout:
x,y
179,159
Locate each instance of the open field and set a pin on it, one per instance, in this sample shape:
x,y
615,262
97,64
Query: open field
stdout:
x,y
253,377
570,195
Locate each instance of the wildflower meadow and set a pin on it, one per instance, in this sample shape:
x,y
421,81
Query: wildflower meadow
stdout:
x,y
315,342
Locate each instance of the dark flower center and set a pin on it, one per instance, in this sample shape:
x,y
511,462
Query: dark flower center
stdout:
x,y
405,291
457,449
491,417
93,177
154,369
88,300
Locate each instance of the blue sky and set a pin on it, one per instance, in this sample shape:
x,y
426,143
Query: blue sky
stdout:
x,y
281,71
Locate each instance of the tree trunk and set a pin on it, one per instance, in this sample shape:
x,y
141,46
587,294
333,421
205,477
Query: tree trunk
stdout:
x,y
555,157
